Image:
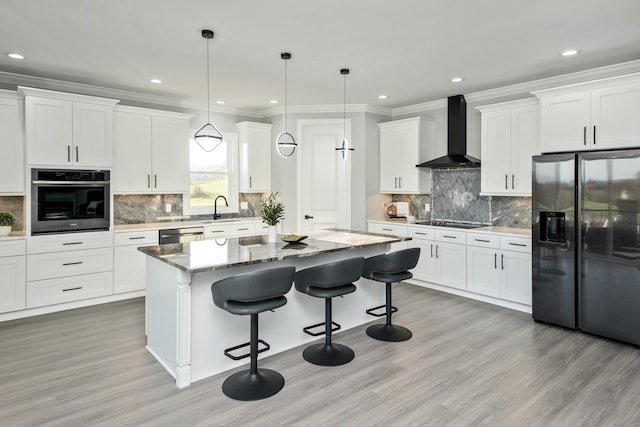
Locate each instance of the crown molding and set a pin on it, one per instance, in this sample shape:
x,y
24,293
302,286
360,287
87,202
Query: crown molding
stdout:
x,y
120,94
329,108
418,108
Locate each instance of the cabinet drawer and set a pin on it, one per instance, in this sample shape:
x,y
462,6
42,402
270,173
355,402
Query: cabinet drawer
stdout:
x,y
392,229
69,242
421,233
261,228
12,247
451,236
518,244
67,289
213,231
70,263
147,237
484,240
241,230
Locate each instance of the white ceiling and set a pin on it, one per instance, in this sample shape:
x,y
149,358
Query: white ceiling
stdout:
x,y
406,49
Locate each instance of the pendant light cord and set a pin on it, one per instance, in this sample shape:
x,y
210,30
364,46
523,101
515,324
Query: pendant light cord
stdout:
x,y
344,108
208,89
286,102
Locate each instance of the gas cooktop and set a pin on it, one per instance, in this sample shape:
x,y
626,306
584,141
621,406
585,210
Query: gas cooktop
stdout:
x,y
457,224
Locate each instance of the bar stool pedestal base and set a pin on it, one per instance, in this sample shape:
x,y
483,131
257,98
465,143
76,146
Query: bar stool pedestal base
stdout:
x,y
392,333
245,385
328,355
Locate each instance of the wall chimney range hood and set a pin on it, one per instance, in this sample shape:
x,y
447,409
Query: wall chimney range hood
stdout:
x,y
457,156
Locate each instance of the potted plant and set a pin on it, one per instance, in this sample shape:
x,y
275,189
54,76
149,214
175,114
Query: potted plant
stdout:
x,y
271,211
6,222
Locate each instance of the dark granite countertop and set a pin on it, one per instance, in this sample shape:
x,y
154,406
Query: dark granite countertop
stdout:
x,y
217,254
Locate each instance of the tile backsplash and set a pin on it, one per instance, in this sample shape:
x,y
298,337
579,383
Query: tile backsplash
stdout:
x,y
15,205
456,195
144,208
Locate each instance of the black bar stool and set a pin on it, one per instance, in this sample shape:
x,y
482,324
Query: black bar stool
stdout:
x,y
389,268
328,281
252,293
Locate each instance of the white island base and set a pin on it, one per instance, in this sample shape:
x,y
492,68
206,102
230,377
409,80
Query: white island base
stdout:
x,y
187,333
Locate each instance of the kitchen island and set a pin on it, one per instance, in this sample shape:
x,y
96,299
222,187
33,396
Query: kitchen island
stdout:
x,y
187,334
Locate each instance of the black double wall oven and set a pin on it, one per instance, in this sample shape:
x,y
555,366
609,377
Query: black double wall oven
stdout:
x,y
66,201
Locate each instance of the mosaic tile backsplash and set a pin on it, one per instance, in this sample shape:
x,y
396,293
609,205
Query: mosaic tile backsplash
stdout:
x,y
456,195
145,208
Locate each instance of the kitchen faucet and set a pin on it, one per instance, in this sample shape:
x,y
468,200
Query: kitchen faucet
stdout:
x,y
216,215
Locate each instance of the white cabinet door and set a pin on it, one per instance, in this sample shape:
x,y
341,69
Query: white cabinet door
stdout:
x,y
11,146
410,177
615,117
515,284
525,125
92,135
132,152
426,267
483,271
496,151
509,138
565,122
254,157
129,269
170,154
390,159
49,131
12,284
451,260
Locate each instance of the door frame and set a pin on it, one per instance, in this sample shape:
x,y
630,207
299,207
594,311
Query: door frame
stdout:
x,y
301,144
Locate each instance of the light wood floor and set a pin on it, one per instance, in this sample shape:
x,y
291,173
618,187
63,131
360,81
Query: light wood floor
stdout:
x,y
468,363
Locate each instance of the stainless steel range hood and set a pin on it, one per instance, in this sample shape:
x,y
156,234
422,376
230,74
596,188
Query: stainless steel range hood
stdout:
x,y
457,156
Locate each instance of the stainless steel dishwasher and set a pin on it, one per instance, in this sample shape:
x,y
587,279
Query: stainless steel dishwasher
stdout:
x,y
180,235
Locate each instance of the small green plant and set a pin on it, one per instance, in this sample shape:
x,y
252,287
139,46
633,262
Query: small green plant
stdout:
x,y
7,219
271,210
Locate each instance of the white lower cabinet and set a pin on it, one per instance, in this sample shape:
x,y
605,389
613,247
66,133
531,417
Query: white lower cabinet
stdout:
x,y
500,267
390,229
12,275
442,256
129,264
68,289
68,267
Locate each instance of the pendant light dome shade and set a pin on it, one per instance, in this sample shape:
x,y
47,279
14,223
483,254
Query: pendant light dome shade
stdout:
x,y
285,143
208,137
344,149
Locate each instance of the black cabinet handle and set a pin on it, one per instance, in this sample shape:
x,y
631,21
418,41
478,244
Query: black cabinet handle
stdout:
x,y
69,153
136,238
502,261
243,229
495,261
594,134
584,135
436,251
506,181
72,289
421,233
395,182
449,237
71,243
310,217
518,244
482,240
513,177
155,181
72,263
432,250
250,183
400,182
77,157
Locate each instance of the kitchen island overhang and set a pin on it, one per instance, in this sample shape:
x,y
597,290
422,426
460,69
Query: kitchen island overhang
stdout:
x,y
187,334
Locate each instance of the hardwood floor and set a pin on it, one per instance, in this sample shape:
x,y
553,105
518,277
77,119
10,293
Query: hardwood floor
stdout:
x,y
468,363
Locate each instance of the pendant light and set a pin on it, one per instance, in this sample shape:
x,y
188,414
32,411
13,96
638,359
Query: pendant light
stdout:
x,y
208,135
345,144
285,143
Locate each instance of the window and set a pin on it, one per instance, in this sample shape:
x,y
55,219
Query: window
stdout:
x,y
211,175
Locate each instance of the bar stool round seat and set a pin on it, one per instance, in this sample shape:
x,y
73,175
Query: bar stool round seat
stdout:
x,y
250,294
328,281
389,268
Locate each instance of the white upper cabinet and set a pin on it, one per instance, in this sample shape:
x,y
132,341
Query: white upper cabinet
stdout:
x,y
603,114
151,151
11,144
255,157
402,146
65,129
509,138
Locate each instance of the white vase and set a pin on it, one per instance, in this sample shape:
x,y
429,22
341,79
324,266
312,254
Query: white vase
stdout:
x,y
273,234
5,230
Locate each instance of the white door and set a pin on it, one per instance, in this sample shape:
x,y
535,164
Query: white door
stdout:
x,y
324,190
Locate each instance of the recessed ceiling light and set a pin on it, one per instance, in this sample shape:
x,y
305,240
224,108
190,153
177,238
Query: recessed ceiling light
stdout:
x,y
569,52
15,55
382,96
156,81
220,101
456,80
273,101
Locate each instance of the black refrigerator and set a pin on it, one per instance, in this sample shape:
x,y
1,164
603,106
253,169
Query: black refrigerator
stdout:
x,y
586,242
